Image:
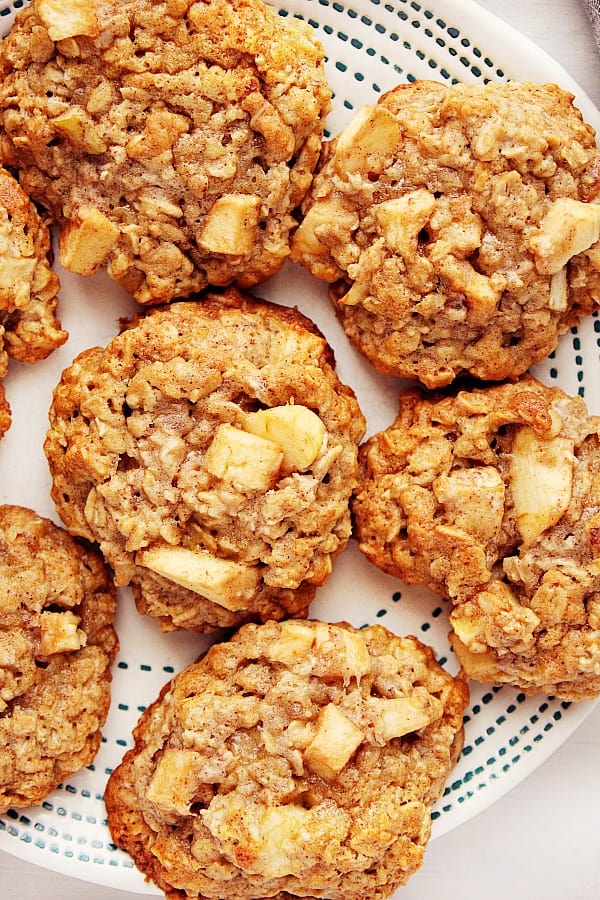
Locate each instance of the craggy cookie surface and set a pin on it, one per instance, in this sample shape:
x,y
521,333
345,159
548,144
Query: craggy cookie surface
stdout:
x,y
299,759
455,224
491,497
57,604
211,450
29,330
171,140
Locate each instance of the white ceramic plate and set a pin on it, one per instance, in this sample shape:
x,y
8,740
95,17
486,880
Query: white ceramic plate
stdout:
x,y
371,45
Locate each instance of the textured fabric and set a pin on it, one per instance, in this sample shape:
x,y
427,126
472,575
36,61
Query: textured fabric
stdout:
x,y
593,10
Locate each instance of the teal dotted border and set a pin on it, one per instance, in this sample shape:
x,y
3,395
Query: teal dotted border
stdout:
x,y
9,9
502,760
448,38
49,837
580,355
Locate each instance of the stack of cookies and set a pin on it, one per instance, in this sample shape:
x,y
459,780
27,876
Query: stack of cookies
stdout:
x,y
210,457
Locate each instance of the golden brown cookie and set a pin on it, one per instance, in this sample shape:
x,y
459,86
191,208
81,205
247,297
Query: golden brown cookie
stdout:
x,y
490,497
4,413
170,140
210,450
29,330
57,642
300,759
455,225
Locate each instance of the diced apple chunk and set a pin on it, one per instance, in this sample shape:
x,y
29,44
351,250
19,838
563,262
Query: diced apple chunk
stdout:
x,y
369,139
396,717
336,739
223,581
173,786
402,218
230,223
293,644
474,499
341,652
321,214
86,241
250,461
568,228
293,427
559,291
358,660
80,128
357,293
59,632
16,276
541,477
68,19
482,292
272,841
481,666
466,628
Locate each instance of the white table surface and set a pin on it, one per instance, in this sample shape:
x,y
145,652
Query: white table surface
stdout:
x,y
542,840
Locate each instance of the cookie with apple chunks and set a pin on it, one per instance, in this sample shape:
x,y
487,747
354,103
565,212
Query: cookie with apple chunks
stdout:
x,y
210,450
458,225
170,140
298,759
29,329
490,497
57,643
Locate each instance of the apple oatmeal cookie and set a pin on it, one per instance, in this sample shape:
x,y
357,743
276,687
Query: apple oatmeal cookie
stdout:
x,y
29,330
458,225
491,498
170,140
57,643
299,759
211,450
4,413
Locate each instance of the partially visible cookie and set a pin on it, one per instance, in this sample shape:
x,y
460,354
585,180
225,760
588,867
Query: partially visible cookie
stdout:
x,y
57,642
170,141
490,497
29,330
299,759
459,228
4,413
211,450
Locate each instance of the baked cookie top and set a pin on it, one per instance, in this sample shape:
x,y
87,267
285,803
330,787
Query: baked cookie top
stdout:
x,y
57,641
456,225
490,497
298,759
29,330
170,140
211,450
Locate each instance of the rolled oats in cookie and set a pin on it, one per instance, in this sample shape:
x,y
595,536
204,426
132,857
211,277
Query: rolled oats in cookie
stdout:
x,y
170,140
299,759
29,330
458,226
491,498
57,643
211,450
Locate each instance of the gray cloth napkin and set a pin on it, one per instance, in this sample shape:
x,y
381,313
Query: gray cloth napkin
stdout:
x,y
593,11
